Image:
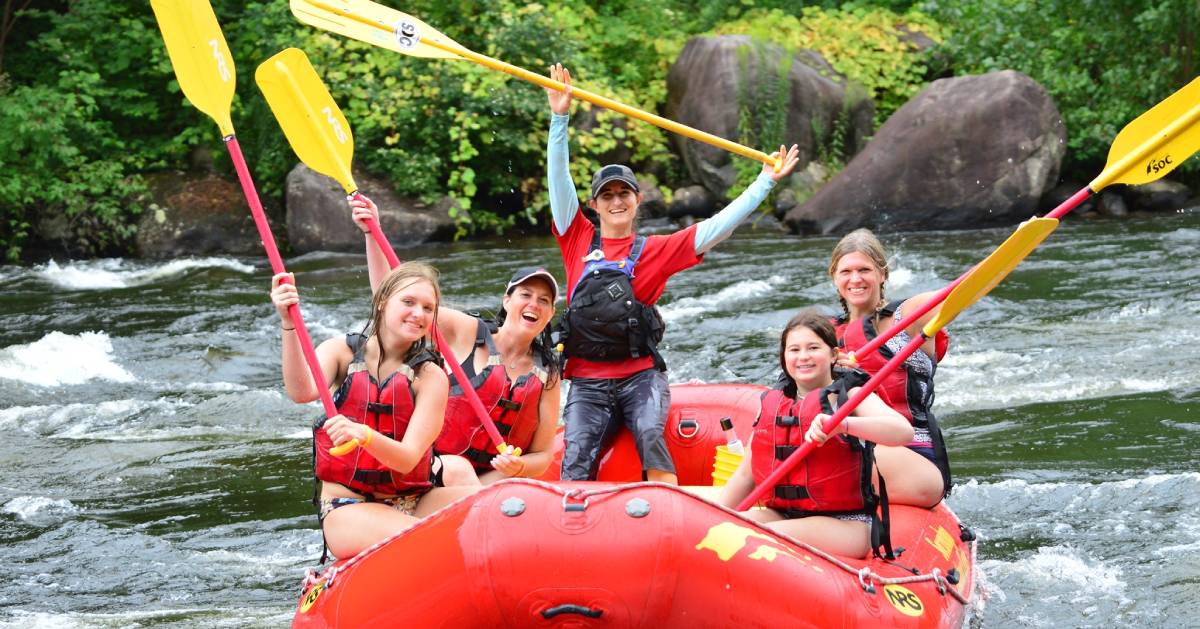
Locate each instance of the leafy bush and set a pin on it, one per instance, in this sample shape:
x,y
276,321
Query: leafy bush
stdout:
x,y
1104,65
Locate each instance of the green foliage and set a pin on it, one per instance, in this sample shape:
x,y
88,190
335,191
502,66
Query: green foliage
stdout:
x,y
867,45
763,102
90,101
1104,65
61,162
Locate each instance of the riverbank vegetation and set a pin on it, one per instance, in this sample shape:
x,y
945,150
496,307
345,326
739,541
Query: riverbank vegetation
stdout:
x,y
89,104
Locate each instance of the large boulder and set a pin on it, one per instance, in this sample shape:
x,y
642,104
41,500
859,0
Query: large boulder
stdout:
x,y
318,218
195,214
1157,196
715,79
965,152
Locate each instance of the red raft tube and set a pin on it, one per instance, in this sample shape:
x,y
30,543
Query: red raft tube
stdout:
x,y
530,553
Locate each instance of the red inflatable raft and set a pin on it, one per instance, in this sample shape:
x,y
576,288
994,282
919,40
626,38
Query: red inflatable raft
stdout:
x,y
529,553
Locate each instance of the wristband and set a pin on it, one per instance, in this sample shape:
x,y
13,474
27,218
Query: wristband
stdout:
x,y
287,329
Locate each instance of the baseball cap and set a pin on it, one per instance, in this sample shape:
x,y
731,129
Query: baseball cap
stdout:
x,y
525,274
613,172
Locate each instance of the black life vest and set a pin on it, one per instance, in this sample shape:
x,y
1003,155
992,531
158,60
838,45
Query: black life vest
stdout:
x,y
513,406
909,390
604,320
385,408
835,478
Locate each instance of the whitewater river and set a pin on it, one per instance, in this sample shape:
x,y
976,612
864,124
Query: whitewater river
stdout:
x,y
153,474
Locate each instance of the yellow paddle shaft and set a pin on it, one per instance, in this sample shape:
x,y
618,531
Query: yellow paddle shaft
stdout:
x,y
595,99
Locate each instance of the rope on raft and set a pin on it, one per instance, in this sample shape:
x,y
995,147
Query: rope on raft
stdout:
x,y
865,575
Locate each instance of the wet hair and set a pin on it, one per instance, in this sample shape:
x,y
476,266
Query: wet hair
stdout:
x,y
860,241
400,278
812,319
543,346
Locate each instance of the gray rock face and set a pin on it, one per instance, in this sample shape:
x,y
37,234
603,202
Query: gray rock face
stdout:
x,y
196,215
965,152
654,204
318,218
693,201
1157,196
716,78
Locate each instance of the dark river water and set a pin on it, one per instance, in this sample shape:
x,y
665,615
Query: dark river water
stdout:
x,y
153,474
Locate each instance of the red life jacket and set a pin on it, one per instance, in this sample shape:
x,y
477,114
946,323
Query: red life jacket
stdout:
x,y
513,407
385,408
835,478
909,390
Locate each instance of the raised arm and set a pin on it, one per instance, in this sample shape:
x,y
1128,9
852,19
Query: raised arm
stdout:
x,y
297,380
713,230
361,209
564,199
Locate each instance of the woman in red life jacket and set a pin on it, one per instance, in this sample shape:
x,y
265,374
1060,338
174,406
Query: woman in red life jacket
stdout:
x,y
827,500
918,473
511,366
391,393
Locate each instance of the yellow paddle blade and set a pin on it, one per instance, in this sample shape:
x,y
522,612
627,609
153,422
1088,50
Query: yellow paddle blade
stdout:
x,y
199,55
994,268
377,25
311,120
1156,142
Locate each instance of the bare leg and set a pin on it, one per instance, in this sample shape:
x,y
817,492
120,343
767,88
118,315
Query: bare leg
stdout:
x,y
352,529
660,476
439,497
911,478
457,471
850,539
763,515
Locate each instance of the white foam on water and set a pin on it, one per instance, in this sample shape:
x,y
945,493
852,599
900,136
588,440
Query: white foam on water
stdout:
x,y
234,617
215,387
118,273
58,359
114,420
994,378
732,295
30,507
899,277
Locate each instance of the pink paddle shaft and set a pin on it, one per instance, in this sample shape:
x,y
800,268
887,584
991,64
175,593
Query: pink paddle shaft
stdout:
x,y
897,360
443,346
268,241
940,296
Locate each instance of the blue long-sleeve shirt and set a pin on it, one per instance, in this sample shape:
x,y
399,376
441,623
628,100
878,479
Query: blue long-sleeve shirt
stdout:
x,y
564,199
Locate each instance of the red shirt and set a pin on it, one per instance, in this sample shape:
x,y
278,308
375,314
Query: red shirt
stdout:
x,y
662,257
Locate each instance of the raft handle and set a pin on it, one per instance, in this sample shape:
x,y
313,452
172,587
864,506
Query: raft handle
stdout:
x,y
575,506
569,608
687,423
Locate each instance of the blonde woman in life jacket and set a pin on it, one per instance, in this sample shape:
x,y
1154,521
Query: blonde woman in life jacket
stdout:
x,y
390,395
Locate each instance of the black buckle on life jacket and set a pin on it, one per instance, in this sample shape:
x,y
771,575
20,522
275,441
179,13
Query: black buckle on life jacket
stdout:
x,y
373,477
503,428
615,291
791,492
787,421
783,452
379,408
508,405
